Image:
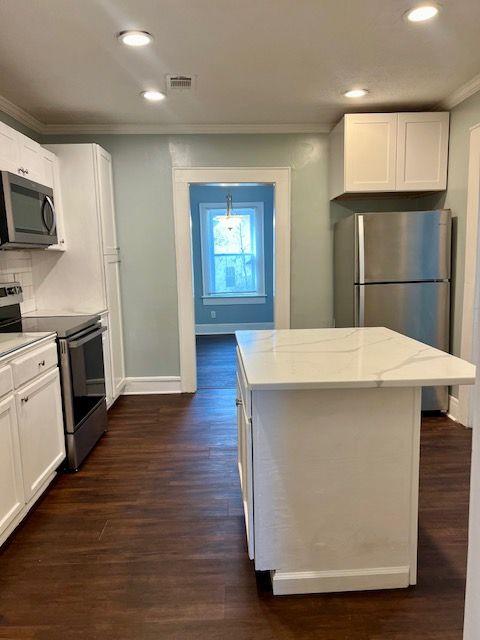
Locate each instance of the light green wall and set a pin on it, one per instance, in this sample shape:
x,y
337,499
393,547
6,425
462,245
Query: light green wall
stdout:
x,y
142,167
143,190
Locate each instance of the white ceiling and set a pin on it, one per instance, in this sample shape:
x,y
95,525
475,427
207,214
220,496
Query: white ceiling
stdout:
x,y
257,61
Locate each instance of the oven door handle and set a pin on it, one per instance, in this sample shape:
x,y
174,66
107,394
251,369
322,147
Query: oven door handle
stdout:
x,y
74,344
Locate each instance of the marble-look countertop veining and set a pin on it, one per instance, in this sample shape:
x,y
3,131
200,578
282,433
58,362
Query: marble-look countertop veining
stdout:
x,y
348,358
12,341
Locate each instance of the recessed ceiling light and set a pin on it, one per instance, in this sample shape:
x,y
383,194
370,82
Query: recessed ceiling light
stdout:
x,y
355,93
153,96
135,38
422,13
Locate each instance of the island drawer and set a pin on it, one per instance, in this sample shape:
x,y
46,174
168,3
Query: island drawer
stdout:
x,y
32,365
243,386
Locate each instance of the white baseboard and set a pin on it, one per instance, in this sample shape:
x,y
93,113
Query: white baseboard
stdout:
x,y
151,385
335,581
212,329
453,408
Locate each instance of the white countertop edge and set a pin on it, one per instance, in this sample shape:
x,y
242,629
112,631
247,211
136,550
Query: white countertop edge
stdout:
x,y
349,384
45,336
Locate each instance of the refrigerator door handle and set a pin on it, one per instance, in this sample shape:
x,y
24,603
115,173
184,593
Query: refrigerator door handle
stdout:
x,y
361,250
361,306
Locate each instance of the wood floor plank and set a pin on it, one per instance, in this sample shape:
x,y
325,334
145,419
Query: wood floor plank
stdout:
x,y
147,542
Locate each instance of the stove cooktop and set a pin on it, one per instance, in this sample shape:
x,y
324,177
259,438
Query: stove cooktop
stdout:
x,y
64,326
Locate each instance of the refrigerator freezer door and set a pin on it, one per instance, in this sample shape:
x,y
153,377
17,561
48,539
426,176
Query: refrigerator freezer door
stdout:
x,y
403,247
419,310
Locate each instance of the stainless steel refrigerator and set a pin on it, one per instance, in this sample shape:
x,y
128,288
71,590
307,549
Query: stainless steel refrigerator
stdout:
x,y
393,270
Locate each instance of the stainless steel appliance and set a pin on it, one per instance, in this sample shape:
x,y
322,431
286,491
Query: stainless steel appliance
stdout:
x,y
393,270
27,213
82,375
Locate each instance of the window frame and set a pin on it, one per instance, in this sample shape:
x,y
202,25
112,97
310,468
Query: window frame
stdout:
x,y
256,297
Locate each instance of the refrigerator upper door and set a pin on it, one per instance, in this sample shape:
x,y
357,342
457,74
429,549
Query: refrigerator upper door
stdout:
x,y
419,310
409,246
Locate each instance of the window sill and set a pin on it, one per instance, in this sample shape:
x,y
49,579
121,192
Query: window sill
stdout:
x,y
224,300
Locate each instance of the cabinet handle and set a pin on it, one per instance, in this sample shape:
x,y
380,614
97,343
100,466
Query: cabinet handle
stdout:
x,y
25,399
21,170
42,363
26,170
238,402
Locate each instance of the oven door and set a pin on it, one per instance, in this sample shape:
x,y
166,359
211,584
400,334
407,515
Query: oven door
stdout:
x,y
28,213
84,382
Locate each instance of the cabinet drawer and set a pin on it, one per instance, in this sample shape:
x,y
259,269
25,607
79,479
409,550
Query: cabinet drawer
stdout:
x,y
242,383
6,382
34,364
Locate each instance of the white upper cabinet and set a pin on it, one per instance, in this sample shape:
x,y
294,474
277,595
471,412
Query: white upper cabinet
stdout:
x,y
389,152
422,151
9,150
52,179
371,143
31,159
106,201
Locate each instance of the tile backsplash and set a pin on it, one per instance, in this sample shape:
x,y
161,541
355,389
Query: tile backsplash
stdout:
x,y
16,266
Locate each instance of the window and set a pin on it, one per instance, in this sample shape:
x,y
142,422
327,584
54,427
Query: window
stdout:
x,y
232,253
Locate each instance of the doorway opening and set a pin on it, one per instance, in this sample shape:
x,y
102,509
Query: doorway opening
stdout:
x,y
233,258
242,271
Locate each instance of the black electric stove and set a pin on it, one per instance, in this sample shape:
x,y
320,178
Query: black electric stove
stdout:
x,y
80,350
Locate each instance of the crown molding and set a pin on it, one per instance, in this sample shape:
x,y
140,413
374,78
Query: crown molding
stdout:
x,y
171,129
462,93
21,115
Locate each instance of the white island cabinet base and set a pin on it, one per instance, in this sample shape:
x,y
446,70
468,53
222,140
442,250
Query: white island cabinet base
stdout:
x,y
329,446
336,488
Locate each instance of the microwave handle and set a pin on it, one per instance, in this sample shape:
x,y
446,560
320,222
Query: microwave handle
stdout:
x,y
54,224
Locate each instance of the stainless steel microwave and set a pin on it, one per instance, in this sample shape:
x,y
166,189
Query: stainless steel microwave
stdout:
x,y
27,214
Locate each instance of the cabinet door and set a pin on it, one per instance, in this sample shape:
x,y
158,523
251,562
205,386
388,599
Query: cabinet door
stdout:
x,y
106,201
370,152
422,151
31,158
52,179
245,468
112,279
107,361
9,150
40,426
12,499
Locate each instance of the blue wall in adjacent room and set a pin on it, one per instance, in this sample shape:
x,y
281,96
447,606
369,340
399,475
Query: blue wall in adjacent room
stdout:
x,y
233,313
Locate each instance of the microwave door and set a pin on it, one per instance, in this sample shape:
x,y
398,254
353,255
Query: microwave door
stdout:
x,y
28,216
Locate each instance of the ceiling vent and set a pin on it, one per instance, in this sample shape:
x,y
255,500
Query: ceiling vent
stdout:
x,y
180,84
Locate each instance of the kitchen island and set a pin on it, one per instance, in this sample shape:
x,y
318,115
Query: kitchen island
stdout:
x,y
328,453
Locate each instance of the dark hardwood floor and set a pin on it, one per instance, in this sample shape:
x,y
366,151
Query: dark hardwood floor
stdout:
x,y
216,362
147,542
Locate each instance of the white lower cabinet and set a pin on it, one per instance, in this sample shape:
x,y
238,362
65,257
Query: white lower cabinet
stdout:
x,y
12,499
32,441
112,280
107,361
40,425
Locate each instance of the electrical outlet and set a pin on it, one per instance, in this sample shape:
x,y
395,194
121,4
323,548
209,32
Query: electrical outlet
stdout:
x,y
213,314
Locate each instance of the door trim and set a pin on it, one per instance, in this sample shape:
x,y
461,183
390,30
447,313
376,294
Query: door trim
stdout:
x,y
471,273
182,178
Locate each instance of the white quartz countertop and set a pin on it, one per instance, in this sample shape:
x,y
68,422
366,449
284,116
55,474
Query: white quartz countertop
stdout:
x,y
12,341
336,358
